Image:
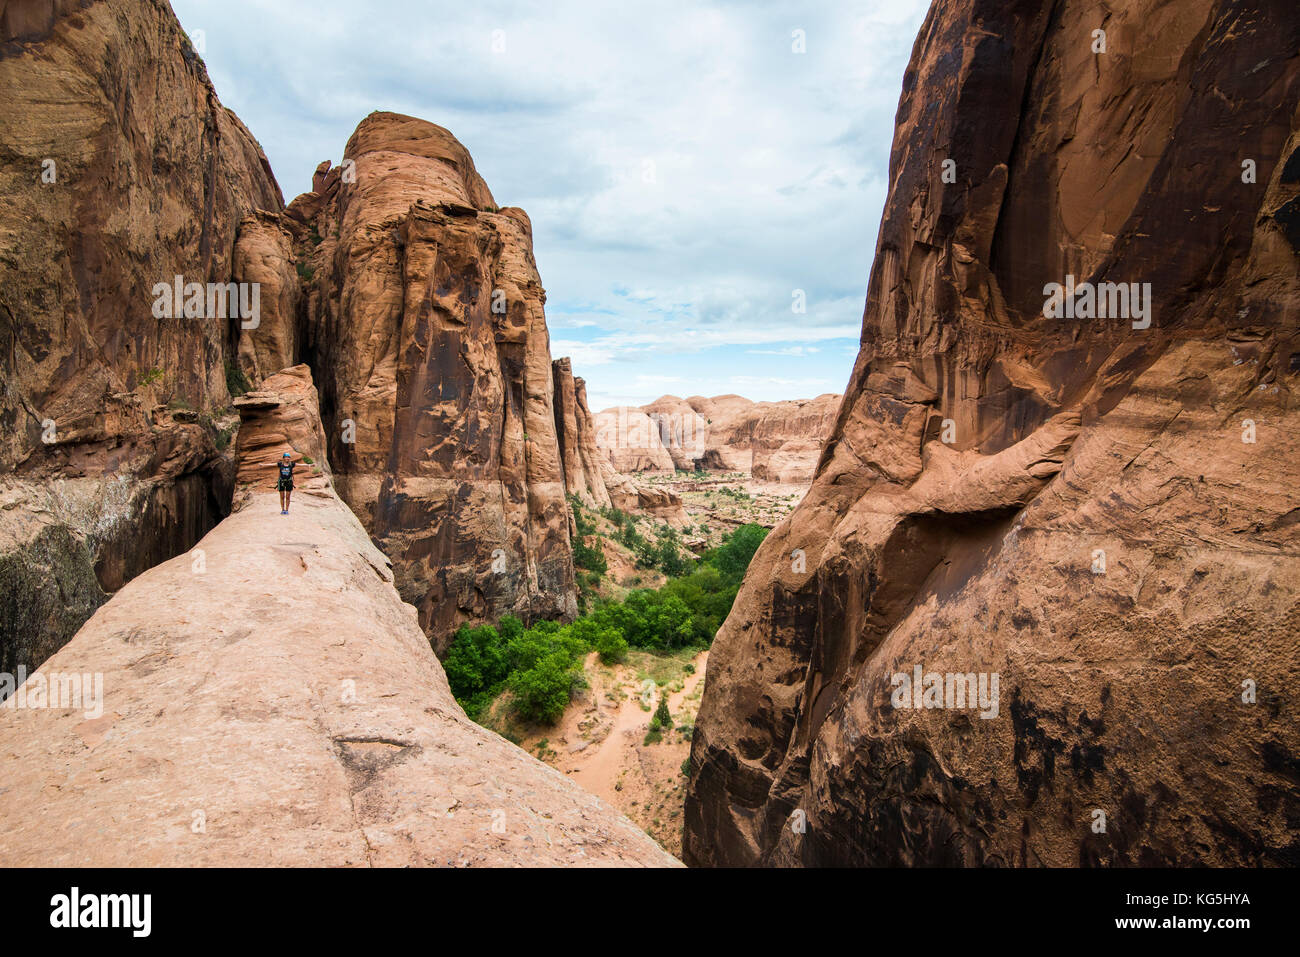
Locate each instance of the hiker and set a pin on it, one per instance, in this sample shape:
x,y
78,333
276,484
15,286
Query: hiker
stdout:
x,y
285,485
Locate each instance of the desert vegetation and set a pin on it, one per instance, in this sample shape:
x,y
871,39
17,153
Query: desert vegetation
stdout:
x,y
541,666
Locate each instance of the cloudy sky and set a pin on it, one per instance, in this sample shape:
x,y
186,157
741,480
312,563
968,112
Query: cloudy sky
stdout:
x,y
690,175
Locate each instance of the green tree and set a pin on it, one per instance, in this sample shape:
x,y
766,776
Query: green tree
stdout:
x,y
661,713
611,646
590,557
476,666
733,556
543,690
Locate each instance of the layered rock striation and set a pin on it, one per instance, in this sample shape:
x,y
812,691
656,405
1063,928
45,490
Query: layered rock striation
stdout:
x,y
1096,510
771,441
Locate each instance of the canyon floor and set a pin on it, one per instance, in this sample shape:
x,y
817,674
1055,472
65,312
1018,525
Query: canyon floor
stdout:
x,y
717,503
601,742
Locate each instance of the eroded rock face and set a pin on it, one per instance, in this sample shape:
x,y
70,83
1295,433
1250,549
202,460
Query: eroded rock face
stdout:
x,y
264,255
1102,516
425,317
581,459
282,415
588,473
633,442
772,441
278,704
109,460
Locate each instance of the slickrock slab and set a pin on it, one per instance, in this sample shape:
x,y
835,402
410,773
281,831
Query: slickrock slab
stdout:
x,y
269,700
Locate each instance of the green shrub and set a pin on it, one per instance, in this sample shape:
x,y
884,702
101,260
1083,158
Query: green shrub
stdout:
x,y
476,666
236,382
150,377
587,556
611,646
542,691
733,556
542,665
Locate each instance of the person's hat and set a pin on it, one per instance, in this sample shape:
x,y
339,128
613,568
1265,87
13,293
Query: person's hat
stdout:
x,y
286,455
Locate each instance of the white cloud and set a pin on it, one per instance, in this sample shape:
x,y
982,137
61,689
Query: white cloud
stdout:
x,y
787,351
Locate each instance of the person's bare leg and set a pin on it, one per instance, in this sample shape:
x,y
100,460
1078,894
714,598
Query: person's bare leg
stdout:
x,y
287,495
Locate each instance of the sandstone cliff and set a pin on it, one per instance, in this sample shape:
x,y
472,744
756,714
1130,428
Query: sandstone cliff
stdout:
x,y
587,471
580,458
416,301
452,434
269,700
120,170
425,318
772,441
1100,512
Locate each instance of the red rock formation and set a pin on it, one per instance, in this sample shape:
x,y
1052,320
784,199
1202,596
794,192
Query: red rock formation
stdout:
x,y
633,442
1102,515
268,699
264,255
587,472
773,441
281,415
581,459
629,495
425,317
112,184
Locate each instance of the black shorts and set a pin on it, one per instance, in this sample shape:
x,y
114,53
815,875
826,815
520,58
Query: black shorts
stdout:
x,y
284,485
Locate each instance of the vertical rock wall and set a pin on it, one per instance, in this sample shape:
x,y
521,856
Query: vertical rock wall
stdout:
x,y
1099,511
426,323
119,169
